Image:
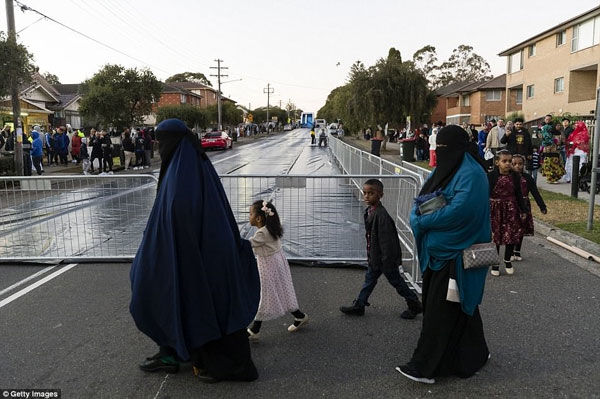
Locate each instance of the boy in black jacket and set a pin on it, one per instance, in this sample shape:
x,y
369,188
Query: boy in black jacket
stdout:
x,y
384,254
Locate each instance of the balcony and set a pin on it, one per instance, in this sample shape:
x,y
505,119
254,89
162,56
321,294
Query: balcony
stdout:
x,y
460,110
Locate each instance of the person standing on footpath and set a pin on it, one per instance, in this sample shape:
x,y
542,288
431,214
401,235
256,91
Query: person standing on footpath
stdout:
x,y
518,141
128,148
27,146
96,144
482,138
106,152
148,143
452,341
194,281
37,151
384,255
493,141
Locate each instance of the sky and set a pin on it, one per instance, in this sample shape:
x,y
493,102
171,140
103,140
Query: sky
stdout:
x,y
295,46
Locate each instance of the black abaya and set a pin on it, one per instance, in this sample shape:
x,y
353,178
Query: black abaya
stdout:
x,y
451,341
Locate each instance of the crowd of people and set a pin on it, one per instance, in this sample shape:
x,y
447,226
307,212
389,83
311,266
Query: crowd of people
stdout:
x,y
95,150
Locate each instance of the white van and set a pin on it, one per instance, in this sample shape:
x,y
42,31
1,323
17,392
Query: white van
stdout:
x,y
320,124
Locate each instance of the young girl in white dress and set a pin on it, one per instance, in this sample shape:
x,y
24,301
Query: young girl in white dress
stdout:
x,y
277,295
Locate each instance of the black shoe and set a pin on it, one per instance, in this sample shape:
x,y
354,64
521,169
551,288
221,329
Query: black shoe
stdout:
x,y
414,308
356,309
414,375
158,364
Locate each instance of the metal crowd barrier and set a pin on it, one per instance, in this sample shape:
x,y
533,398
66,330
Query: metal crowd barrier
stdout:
x,y
323,215
57,218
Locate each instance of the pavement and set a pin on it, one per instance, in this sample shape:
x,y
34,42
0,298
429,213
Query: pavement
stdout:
x,y
75,333
69,328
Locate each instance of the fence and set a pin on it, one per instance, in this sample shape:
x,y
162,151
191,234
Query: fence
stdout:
x,y
73,217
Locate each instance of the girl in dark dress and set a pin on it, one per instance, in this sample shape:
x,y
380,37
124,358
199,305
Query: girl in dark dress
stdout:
x,y
507,208
527,186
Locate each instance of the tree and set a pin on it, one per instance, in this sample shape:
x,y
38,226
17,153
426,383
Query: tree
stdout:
x,y
463,66
14,59
425,60
260,114
120,97
51,78
190,114
197,77
230,114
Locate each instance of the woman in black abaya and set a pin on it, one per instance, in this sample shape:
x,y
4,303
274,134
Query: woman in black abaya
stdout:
x,y
195,284
452,340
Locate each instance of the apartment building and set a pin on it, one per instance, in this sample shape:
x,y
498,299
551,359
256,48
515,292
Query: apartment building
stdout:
x,y
471,102
556,71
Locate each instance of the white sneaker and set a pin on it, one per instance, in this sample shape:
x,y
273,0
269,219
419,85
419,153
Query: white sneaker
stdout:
x,y
252,335
510,270
516,258
408,375
495,272
302,321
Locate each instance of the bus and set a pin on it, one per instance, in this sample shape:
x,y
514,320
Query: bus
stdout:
x,y
306,120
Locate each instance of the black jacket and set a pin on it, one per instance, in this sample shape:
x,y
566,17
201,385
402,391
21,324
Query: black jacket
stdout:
x,y
511,142
532,187
385,253
128,144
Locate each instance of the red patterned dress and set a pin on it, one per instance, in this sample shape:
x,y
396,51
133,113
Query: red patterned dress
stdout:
x,y
504,211
528,223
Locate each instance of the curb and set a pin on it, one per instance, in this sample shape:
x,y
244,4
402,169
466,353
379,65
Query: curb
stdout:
x,y
548,230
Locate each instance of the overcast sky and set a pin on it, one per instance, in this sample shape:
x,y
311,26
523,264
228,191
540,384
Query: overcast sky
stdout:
x,y
294,45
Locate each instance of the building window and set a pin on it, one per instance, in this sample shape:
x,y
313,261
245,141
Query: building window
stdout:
x,y
465,101
530,91
586,34
559,85
183,98
493,95
531,50
561,38
519,96
515,62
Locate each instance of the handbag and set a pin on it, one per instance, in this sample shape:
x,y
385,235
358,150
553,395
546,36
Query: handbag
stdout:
x,y
488,155
478,256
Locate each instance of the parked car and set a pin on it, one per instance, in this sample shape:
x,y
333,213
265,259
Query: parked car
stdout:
x,y
287,127
217,140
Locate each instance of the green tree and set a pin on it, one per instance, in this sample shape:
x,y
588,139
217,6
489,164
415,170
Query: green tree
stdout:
x,y
120,97
14,59
260,114
190,114
230,114
51,78
463,66
425,60
197,77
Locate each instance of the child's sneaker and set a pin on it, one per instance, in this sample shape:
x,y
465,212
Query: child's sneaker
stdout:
x,y
252,335
509,268
298,323
516,257
495,271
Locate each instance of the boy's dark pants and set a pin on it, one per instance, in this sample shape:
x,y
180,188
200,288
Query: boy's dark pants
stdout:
x,y
393,276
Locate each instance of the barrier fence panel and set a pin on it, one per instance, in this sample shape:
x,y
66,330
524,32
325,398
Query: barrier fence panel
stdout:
x,y
73,217
323,215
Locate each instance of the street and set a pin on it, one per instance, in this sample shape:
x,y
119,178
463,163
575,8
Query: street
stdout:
x,y
69,326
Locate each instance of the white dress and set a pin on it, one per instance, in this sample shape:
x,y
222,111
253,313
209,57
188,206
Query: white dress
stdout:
x,y
277,295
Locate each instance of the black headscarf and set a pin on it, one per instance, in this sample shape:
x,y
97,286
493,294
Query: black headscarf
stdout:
x,y
169,134
452,144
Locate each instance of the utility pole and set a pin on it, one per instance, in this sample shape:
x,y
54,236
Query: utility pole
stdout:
x,y
219,76
268,90
14,91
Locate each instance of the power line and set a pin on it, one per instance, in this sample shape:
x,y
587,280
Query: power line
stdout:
x,y
27,8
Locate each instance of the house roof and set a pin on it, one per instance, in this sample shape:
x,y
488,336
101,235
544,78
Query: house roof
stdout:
x,y
71,88
555,29
38,81
171,88
198,86
499,82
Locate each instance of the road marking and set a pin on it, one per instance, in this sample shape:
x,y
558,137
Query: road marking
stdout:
x,y
161,386
33,286
12,287
239,153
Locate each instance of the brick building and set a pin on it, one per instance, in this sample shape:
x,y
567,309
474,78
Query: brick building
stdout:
x,y
557,70
208,94
471,102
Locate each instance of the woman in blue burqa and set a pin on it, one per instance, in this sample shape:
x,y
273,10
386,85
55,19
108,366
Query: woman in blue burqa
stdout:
x,y
194,281
452,340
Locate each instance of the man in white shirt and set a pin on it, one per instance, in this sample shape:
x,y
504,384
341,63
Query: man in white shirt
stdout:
x,y
493,139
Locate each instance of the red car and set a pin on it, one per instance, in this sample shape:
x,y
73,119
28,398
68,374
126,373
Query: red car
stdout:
x,y
217,140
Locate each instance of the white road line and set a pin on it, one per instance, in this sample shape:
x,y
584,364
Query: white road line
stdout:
x,y
12,287
161,386
33,286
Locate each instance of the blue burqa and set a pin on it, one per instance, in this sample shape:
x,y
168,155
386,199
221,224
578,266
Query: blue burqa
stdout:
x,y
193,280
465,220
